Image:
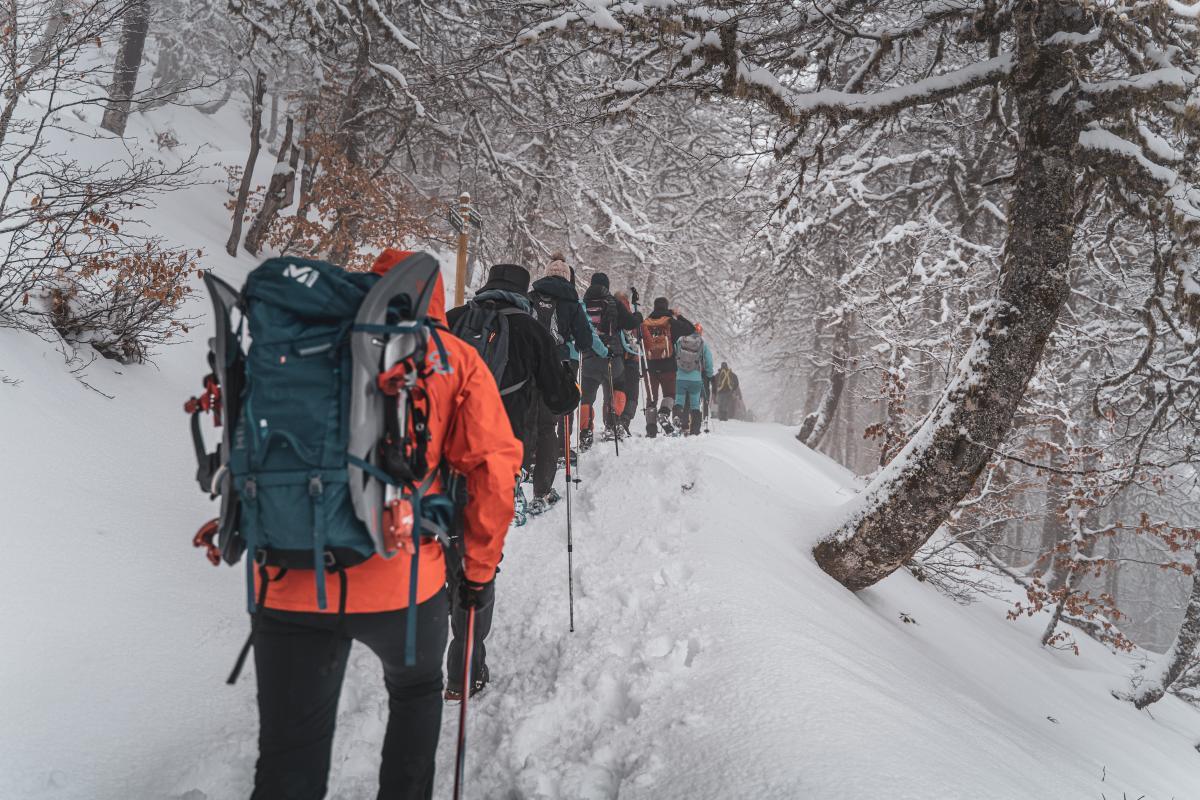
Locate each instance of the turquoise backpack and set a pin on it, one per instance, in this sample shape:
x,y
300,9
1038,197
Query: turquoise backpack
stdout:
x,y
317,449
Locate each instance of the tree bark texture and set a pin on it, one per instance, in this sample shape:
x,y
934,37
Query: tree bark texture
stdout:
x,y
904,506
1182,653
129,61
239,211
817,423
278,193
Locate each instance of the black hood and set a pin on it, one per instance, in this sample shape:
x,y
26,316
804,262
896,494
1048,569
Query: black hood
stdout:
x,y
595,292
554,286
507,277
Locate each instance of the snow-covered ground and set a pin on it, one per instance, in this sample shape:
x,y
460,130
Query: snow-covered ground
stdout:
x,y
711,657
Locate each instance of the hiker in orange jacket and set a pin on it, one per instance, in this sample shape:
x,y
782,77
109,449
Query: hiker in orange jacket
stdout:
x,y
300,652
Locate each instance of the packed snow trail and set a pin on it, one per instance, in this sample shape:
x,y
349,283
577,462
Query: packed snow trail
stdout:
x,y
712,657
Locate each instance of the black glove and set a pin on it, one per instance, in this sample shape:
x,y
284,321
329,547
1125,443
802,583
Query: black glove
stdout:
x,y
473,595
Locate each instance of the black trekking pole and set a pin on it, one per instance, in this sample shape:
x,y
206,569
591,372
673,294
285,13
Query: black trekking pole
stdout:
x,y
460,758
612,412
570,541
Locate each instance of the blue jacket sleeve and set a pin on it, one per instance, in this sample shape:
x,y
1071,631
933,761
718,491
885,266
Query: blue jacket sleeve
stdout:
x,y
708,363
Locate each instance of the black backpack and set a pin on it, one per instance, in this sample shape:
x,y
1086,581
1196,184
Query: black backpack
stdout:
x,y
484,326
602,311
545,308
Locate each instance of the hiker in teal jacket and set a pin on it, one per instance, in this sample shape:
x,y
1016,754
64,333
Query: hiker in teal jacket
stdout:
x,y
694,370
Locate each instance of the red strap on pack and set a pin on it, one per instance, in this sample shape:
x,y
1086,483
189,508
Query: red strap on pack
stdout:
x,y
398,525
209,401
204,538
392,380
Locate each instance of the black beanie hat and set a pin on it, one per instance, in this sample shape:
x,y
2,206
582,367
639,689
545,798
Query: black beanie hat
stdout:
x,y
510,277
661,305
599,279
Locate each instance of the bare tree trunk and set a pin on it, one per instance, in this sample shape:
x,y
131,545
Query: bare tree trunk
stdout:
x,y
239,211
1054,524
1182,653
817,423
129,61
915,493
278,192
54,24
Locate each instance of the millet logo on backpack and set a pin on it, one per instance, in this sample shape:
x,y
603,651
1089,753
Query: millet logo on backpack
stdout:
x,y
306,275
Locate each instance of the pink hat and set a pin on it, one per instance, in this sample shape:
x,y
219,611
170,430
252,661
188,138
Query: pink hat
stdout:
x,y
558,268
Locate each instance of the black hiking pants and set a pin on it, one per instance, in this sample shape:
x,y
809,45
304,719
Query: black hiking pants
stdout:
x,y
632,383
725,404
457,651
595,375
542,458
300,664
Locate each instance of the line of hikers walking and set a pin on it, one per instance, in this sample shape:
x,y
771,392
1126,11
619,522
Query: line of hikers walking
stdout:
x,y
374,437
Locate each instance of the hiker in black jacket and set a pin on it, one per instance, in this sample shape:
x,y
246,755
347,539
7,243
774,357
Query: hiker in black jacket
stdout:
x,y
556,305
534,368
532,374
608,317
659,334
725,388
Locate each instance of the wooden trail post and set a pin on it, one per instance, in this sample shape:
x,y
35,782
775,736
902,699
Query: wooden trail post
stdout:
x,y
462,219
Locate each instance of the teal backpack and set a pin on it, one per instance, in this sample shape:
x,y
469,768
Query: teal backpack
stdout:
x,y
317,373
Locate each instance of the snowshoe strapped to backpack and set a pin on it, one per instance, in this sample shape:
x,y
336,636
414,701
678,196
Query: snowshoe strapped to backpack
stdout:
x,y
689,353
324,438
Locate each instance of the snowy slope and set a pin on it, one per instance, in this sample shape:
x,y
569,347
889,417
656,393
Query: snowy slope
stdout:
x,y
712,658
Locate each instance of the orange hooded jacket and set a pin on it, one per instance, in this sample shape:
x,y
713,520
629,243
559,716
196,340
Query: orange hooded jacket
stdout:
x,y
469,430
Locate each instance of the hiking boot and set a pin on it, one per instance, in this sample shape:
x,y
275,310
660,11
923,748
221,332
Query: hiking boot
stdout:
x,y
562,462
585,439
541,504
678,422
454,690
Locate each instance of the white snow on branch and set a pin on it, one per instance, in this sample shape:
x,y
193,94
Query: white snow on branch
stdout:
x,y
1182,194
867,104
397,34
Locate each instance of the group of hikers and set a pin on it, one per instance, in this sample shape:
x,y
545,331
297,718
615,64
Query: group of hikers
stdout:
x,y
488,403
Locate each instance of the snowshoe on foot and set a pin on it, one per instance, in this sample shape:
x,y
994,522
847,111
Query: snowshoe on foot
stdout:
x,y
562,462
585,439
454,691
520,507
541,504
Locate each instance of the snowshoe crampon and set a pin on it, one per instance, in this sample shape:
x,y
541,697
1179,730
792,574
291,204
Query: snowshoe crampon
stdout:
x,y
540,505
454,693
520,507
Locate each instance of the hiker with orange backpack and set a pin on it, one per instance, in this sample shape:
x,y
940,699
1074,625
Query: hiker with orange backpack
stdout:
x,y
351,419
659,334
